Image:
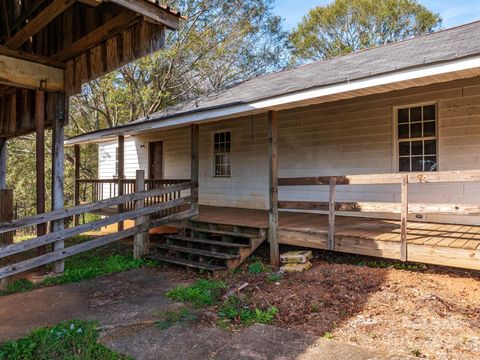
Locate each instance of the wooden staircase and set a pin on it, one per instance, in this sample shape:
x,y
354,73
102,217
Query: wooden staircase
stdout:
x,y
207,246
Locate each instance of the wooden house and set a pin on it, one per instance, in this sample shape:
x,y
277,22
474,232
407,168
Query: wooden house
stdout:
x,y
375,153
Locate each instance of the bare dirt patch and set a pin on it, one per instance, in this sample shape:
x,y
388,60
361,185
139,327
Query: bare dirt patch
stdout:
x,y
425,313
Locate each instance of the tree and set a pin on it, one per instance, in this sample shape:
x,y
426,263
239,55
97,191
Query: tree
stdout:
x,y
345,26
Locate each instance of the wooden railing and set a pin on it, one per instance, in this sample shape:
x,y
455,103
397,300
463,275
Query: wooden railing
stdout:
x,y
185,207
403,208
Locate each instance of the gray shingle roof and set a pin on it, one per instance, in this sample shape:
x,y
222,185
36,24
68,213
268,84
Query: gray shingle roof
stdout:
x,y
440,46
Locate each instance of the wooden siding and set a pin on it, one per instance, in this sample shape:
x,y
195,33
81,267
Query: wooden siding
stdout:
x,y
344,137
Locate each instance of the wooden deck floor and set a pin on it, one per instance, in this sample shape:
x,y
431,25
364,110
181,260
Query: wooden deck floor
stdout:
x,y
440,244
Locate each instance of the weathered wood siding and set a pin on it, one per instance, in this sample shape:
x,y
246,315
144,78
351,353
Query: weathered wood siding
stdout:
x,y
345,137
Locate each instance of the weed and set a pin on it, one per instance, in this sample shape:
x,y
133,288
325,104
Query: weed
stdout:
x,y
386,265
20,285
273,278
314,308
171,318
328,335
416,352
69,340
202,293
235,312
257,267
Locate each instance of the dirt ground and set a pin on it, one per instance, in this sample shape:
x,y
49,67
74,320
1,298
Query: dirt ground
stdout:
x,y
432,313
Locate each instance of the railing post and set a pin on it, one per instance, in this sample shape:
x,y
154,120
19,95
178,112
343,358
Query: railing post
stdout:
x,y
6,214
331,213
121,175
194,167
403,218
141,240
76,176
273,188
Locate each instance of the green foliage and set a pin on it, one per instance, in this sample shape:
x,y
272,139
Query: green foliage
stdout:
x,y
350,25
273,278
314,308
171,318
69,340
257,267
236,312
202,293
328,335
394,265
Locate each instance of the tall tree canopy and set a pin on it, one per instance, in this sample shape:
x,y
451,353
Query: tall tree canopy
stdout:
x,y
350,25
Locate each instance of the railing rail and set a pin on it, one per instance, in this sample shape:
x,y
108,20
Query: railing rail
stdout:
x,y
403,208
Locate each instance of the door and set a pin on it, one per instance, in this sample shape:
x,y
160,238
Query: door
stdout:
x,y
155,160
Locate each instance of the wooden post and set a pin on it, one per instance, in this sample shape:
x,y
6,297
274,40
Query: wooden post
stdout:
x,y
273,188
40,163
121,175
141,241
58,173
6,214
403,218
194,166
331,214
3,163
76,176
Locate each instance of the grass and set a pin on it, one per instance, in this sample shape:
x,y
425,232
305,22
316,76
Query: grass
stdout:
x,y
257,267
394,265
106,260
202,293
69,340
171,318
237,313
273,278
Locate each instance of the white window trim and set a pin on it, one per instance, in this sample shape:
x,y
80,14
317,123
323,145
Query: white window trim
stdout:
x,y
395,141
212,147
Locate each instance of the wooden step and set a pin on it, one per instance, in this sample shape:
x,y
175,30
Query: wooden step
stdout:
x,y
186,262
211,254
207,241
223,232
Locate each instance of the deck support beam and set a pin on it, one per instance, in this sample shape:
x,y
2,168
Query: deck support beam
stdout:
x,y
6,204
76,184
141,241
273,188
121,175
404,218
194,166
58,173
40,162
3,163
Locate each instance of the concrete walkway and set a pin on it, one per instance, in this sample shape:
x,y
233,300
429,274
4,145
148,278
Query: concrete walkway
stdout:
x,y
138,297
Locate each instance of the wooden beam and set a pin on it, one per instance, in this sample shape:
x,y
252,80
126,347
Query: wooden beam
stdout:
x,y
404,218
58,174
97,36
6,214
23,55
3,163
76,178
38,22
331,215
121,176
93,3
40,161
141,239
273,188
194,165
151,11
27,74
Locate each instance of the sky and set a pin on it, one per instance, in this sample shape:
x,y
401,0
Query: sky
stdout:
x,y
453,12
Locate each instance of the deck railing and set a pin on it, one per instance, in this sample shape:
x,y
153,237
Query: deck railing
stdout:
x,y
403,208
173,208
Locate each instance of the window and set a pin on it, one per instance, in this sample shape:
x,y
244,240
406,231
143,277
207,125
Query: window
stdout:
x,y
417,138
116,161
221,153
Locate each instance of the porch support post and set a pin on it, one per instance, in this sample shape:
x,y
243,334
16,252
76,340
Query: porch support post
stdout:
x,y
194,166
404,218
6,204
273,188
40,163
3,163
141,241
76,184
58,173
121,175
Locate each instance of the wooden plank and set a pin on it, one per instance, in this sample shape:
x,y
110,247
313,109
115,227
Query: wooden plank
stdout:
x,y
40,161
194,164
27,74
150,11
34,58
3,163
331,214
76,177
36,24
121,176
6,214
90,207
273,188
88,245
141,239
403,218
97,36
80,229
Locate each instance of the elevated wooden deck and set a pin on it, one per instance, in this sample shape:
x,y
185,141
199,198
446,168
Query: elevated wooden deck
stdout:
x,y
431,243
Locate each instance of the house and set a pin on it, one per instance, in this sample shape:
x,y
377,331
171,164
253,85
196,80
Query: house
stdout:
x,y
375,152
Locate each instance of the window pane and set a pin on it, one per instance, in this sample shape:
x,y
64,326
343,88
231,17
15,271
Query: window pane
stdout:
x,y
429,112
227,136
417,163
417,148
415,114
430,147
429,128
403,132
404,148
430,163
416,130
404,164
402,116
217,137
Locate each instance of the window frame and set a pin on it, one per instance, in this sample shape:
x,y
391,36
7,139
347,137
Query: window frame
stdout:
x,y
396,141
116,162
214,163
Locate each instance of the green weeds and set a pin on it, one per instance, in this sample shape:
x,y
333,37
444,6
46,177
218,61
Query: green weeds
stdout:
x,y
202,293
237,313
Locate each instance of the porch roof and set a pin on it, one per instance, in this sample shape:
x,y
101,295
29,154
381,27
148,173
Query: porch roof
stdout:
x,y
437,57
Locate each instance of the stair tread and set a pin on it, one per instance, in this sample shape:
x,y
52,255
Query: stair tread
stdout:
x,y
223,232
208,241
186,262
207,253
